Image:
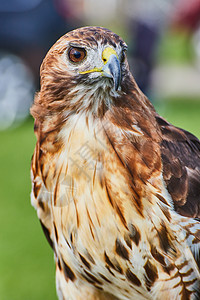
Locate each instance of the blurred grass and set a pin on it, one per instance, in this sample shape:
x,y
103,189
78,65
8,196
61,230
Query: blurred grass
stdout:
x,y
175,46
183,113
26,260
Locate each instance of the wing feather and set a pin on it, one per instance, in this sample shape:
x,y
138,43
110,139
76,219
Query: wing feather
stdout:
x,y
41,198
180,152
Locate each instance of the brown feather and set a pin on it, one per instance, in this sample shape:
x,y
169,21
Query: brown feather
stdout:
x,y
181,168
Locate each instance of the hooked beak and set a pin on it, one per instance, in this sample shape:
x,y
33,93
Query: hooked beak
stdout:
x,y
111,68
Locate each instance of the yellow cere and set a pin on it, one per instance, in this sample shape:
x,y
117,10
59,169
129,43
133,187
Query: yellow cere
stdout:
x,y
107,53
105,57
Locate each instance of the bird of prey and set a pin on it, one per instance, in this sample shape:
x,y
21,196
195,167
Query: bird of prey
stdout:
x,y
116,187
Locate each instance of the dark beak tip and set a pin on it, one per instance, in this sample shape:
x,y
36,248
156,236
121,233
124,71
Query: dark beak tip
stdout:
x,y
115,70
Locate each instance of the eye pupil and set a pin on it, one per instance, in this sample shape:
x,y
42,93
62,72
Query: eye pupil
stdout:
x,y
76,54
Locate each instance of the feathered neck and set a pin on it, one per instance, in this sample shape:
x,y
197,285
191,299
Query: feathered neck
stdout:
x,y
61,97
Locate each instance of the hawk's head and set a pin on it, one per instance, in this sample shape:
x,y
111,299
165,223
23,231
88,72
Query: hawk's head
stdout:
x,y
86,69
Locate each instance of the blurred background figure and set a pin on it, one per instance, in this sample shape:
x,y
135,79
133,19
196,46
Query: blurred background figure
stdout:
x,y
187,14
147,22
27,31
177,70
16,89
29,28
187,18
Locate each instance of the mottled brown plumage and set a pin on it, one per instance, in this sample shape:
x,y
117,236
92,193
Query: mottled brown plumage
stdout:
x,y
115,186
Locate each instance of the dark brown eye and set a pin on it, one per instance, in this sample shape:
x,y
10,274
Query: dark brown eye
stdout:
x,y
76,54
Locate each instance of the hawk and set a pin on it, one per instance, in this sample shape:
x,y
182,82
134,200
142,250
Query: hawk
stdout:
x,y
116,187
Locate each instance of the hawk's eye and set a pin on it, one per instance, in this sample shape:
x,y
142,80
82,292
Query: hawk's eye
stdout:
x,y
76,54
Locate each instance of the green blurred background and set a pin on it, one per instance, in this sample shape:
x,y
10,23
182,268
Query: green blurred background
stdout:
x,y
26,259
